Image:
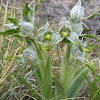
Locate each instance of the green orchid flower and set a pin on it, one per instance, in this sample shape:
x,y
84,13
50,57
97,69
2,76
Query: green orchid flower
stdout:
x,y
45,34
81,56
65,33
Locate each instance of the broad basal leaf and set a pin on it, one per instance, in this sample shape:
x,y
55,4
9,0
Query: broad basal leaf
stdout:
x,y
76,87
59,90
76,83
47,80
64,62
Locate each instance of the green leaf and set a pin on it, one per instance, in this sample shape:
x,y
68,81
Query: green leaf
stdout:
x,y
76,83
36,6
25,11
73,37
90,36
56,38
10,32
9,58
89,48
92,46
11,26
59,90
16,35
26,29
68,79
92,15
64,62
47,80
76,87
79,71
90,65
28,14
23,81
14,21
38,75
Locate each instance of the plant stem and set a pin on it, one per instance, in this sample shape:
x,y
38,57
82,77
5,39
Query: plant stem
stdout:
x,y
58,53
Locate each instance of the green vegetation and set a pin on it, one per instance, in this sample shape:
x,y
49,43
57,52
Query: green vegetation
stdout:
x,y
31,68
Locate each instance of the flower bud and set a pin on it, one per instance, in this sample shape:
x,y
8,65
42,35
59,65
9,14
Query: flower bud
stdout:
x,y
45,34
29,56
77,12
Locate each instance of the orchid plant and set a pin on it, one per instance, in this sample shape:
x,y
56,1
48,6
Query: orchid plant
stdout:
x,y
73,64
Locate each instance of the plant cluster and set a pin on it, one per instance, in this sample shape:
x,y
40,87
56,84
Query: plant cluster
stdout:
x,y
74,66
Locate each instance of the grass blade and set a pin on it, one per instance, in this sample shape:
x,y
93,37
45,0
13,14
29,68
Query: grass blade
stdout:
x,y
23,81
